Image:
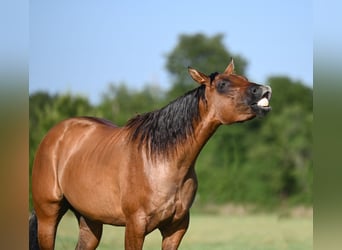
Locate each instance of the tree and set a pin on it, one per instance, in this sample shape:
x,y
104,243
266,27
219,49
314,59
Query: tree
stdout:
x,y
120,103
285,141
207,54
288,92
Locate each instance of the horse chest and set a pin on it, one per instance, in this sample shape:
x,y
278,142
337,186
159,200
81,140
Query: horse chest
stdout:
x,y
173,197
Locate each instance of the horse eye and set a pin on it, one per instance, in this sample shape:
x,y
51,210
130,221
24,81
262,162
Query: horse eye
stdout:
x,y
222,87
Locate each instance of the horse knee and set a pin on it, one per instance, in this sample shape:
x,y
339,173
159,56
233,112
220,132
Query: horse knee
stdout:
x,y
135,234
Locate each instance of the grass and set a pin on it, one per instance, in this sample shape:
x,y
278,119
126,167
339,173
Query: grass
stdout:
x,y
212,232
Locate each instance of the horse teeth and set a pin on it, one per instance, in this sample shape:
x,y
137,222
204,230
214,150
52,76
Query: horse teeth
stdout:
x,y
263,102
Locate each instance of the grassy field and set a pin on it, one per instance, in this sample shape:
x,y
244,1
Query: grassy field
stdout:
x,y
212,232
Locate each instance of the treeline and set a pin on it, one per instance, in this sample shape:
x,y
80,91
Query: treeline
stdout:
x,y
264,161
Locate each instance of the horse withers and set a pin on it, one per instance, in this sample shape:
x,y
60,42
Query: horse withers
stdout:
x,y
141,175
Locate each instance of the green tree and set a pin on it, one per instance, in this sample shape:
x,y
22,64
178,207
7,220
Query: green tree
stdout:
x,y
120,103
207,54
288,92
284,148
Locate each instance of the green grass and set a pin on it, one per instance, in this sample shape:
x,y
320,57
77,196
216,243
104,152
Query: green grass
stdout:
x,y
212,232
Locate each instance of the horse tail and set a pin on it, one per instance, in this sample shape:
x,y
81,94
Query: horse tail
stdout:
x,y
33,232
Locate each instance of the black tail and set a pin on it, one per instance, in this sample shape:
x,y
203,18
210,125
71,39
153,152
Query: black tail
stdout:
x,y
33,232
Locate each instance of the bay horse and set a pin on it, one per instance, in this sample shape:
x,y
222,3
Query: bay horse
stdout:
x,y
141,175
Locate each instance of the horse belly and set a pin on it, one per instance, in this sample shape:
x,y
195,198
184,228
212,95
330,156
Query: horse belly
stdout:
x,y
93,190
96,202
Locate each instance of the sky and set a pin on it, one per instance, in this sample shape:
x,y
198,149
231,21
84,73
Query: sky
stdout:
x,y
83,46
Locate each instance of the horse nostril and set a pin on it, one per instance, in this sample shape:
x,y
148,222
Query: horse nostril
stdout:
x,y
268,91
260,91
267,94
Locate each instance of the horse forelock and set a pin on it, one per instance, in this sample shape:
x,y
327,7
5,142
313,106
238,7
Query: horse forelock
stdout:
x,y
161,131
212,76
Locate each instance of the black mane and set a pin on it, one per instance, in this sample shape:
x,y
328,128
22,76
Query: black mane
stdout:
x,y
162,129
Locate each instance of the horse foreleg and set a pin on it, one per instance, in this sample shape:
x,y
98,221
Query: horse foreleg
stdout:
x,y
173,234
135,233
90,233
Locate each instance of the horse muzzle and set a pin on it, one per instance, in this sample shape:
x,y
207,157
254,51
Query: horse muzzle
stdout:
x,y
261,99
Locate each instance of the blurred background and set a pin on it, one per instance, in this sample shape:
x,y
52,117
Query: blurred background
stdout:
x,y
116,59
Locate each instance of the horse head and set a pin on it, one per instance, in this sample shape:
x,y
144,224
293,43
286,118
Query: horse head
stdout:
x,y
231,97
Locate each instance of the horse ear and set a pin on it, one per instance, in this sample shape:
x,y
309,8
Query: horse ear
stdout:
x,y
199,77
230,68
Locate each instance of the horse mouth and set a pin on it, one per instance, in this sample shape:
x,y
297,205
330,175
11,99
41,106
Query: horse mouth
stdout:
x,y
262,106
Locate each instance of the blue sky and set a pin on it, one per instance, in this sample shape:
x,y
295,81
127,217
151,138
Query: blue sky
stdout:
x,y
82,46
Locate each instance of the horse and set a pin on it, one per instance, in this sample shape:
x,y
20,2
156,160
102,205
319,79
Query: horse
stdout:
x,y
141,175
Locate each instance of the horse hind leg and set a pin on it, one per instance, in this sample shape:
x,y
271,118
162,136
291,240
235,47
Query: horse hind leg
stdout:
x,y
90,233
48,218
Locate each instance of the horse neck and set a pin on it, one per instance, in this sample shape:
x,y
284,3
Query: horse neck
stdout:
x,y
203,130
